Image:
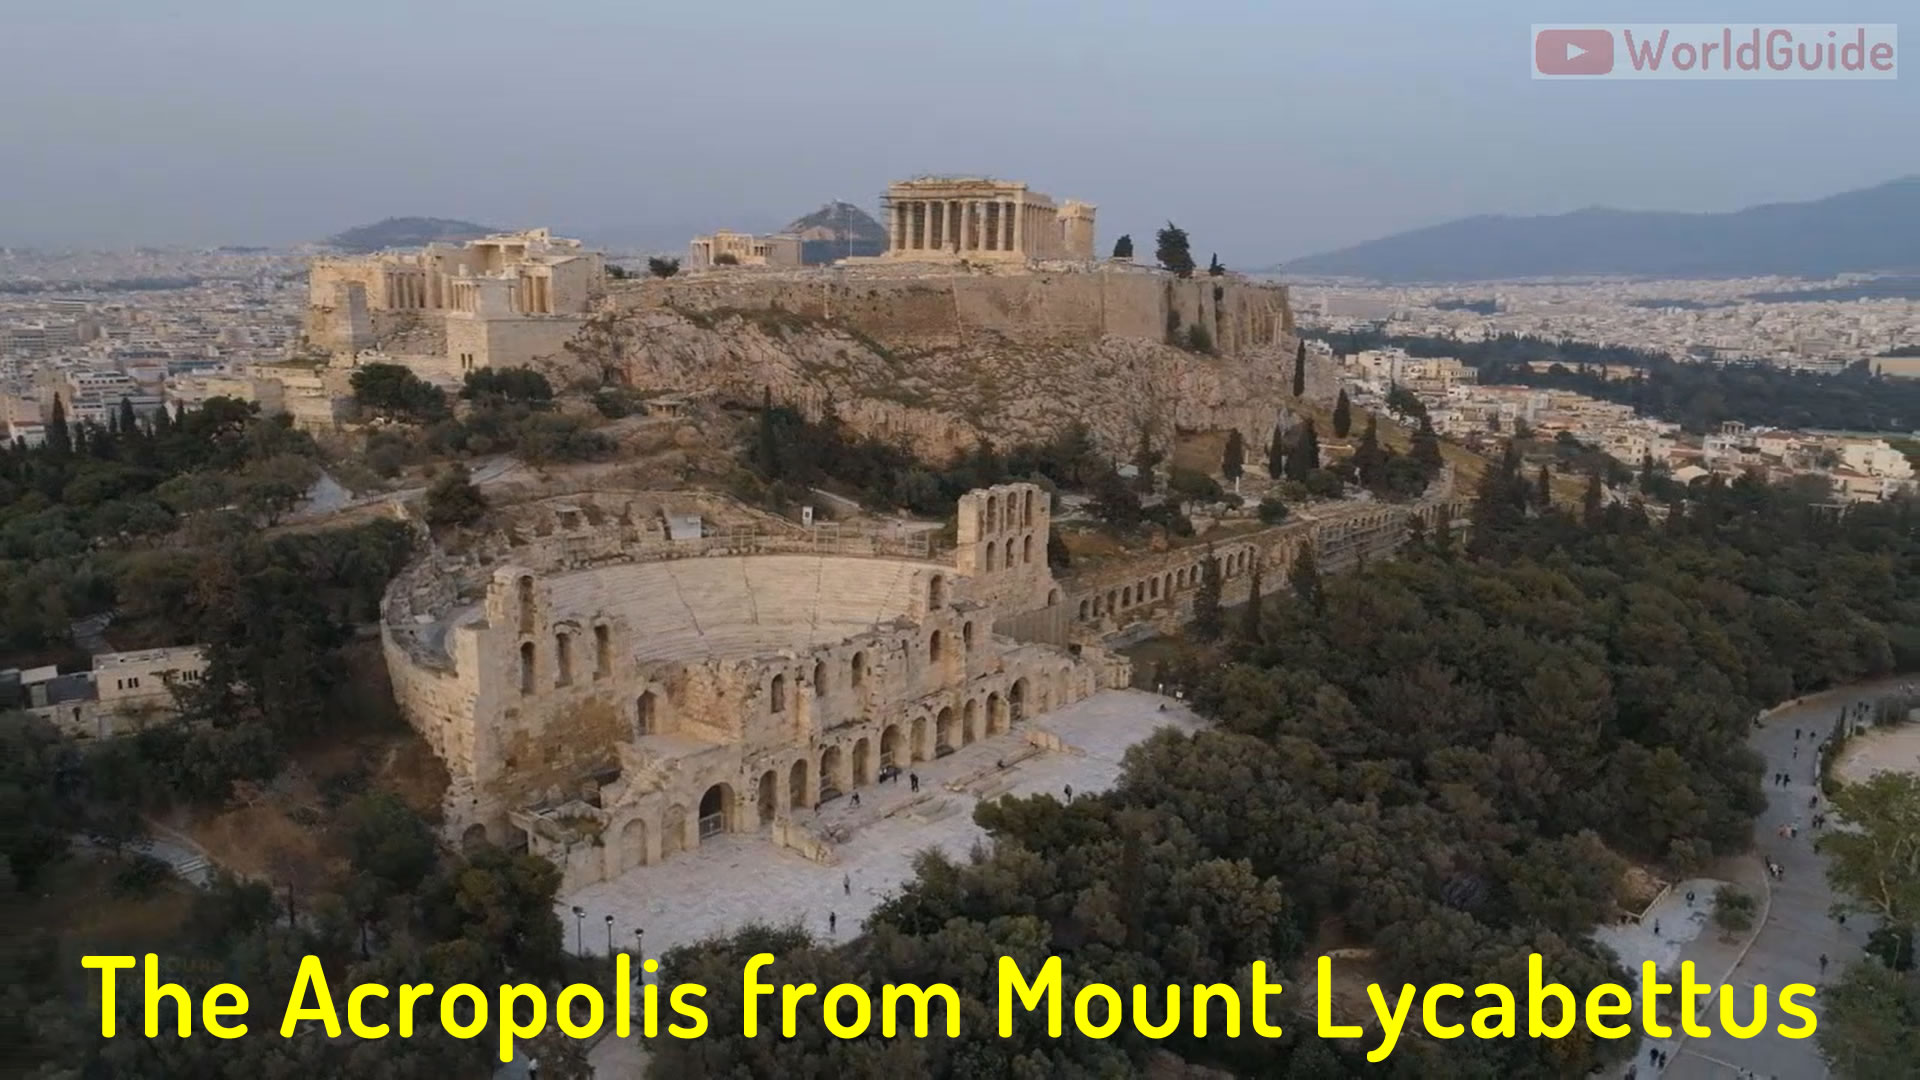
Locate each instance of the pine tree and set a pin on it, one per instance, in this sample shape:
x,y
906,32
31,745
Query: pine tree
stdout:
x,y
1304,577
1342,415
1306,454
59,438
1236,456
1208,618
1277,454
1214,269
1300,369
1123,247
1250,618
1172,252
1543,489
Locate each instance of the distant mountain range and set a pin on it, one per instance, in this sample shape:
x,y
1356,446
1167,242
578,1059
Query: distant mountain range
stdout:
x,y
405,232
1873,229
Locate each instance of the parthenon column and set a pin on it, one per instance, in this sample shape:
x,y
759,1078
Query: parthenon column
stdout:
x,y
1019,226
899,237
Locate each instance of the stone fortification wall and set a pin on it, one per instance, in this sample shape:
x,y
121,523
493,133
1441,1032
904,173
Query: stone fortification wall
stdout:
x,y
936,310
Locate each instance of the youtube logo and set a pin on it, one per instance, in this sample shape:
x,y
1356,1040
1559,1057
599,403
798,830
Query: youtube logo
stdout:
x,y
1560,51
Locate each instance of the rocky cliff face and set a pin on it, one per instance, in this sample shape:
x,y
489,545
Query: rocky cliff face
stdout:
x,y
941,401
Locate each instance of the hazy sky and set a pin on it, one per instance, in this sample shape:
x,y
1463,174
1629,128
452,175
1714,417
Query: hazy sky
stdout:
x,y
1267,128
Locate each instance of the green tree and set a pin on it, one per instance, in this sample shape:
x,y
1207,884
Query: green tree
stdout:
x,y
1235,458
395,392
1426,448
1543,489
1277,454
1369,460
1171,251
1273,510
1145,458
453,499
1250,615
1058,557
1114,502
1304,577
1123,247
1214,269
1300,369
1592,502
1305,457
1875,857
59,438
129,423
1870,1029
662,267
1208,616
1342,415
520,385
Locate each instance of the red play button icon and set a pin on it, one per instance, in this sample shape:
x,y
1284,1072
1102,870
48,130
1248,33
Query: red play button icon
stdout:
x,y
1573,52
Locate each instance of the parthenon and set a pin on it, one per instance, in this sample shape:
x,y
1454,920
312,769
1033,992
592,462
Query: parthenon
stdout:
x,y
977,219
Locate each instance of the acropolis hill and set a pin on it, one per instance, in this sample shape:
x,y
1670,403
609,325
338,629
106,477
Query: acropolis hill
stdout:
x,y
940,343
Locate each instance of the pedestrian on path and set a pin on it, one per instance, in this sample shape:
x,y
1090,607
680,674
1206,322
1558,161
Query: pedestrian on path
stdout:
x,y
846,884
1823,963
833,922
913,781
1069,792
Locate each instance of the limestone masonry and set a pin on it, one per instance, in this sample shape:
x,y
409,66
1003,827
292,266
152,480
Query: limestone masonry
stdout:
x,y
611,695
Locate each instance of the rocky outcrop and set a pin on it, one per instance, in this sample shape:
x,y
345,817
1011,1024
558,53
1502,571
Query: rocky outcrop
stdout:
x,y
940,400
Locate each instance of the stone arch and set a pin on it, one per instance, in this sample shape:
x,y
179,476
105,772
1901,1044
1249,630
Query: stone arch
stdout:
x,y
1097,607
936,593
819,678
890,746
526,667
1126,597
1027,513
526,603
673,830
474,837
830,778
1053,597
992,550
857,671
1008,561
1017,700
966,637
935,647
797,786
632,850
562,658
917,739
996,713
993,515
1026,549
646,714
1153,588
716,811
1167,583
1113,596
862,762
777,694
769,796
1180,577
943,734
969,722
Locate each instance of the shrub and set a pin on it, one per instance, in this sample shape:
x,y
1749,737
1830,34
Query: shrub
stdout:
x,y
1273,510
1194,484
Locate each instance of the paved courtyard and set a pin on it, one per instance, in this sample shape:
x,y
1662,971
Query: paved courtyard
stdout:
x,y
739,878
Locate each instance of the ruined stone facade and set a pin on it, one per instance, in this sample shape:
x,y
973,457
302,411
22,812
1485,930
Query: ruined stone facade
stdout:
x,y
617,707
725,247
500,301
974,219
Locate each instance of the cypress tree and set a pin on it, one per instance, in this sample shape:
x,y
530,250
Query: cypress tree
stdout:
x,y
1300,369
1235,460
1543,489
1367,458
1250,618
1276,454
1426,448
1305,577
1342,415
1208,619
1592,502
1144,459
59,438
128,421
1306,454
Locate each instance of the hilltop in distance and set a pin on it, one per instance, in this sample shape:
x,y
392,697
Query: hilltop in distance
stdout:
x,y
405,232
1872,229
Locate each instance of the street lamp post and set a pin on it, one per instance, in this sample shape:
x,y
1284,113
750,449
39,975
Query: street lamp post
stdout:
x,y
609,939
579,930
